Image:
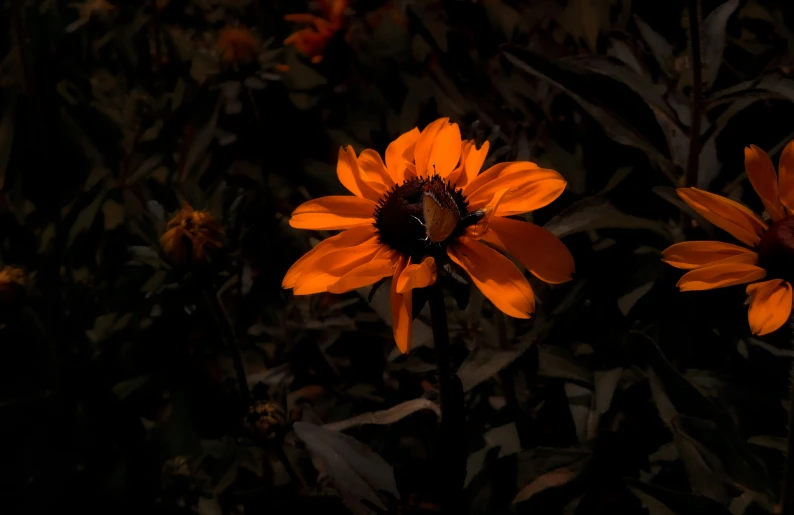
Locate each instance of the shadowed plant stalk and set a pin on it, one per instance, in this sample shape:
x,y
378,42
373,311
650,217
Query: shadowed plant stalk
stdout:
x,y
696,62
452,441
786,506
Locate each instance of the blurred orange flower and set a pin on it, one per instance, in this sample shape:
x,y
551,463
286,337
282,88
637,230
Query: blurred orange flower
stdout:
x,y
312,40
428,203
191,234
237,45
713,264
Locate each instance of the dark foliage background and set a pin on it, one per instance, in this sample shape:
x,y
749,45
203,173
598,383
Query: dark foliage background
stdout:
x,y
622,395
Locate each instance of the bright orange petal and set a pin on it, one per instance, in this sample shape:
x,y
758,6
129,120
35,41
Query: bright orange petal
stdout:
x,y
770,305
785,173
541,252
417,275
332,213
736,219
478,230
495,275
331,267
373,168
364,275
438,148
529,190
401,311
720,275
350,238
495,172
761,173
471,162
351,177
694,254
399,153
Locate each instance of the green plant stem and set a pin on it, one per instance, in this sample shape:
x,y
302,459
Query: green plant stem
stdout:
x,y
452,442
229,339
691,177
787,490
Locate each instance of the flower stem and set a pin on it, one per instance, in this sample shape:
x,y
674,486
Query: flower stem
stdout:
x,y
229,339
691,177
787,492
452,437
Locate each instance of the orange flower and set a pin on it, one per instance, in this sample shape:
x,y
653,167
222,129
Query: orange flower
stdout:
x,y
429,204
191,234
714,264
237,45
312,40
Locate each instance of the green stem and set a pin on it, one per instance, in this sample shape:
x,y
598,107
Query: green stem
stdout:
x,y
229,339
452,437
787,491
691,177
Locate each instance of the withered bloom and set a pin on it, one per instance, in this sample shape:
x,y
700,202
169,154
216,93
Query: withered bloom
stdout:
x,y
237,45
13,285
767,257
266,420
191,235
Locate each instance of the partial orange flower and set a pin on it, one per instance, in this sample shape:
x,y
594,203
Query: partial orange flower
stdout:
x,y
769,245
237,45
426,206
312,40
191,235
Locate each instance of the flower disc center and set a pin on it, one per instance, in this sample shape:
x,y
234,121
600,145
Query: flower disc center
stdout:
x,y
776,250
419,216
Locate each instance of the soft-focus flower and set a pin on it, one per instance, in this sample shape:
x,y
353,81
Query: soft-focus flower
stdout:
x,y
13,285
237,45
768,253
313,39
191,234
428,204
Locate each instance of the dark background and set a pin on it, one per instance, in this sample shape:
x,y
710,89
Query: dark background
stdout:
x,y
622,395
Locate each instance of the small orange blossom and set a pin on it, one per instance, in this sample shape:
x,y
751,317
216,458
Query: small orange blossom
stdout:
x,y
312,40
237,45
191,234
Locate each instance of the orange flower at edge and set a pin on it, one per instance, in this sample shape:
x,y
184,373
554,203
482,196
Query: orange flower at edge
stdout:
x,y
312,40
237,44
191,234
381,218
769,250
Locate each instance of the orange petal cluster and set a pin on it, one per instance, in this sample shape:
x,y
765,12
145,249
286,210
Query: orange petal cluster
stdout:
x,y
191,235
314,38
356,257
714,264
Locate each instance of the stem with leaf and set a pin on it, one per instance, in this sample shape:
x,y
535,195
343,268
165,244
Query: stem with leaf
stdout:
x,y
787,491
452,443
691,177
229,339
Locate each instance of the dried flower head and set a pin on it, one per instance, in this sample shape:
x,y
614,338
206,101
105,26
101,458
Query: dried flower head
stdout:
x,y
266,420
191,235
13,285
237,45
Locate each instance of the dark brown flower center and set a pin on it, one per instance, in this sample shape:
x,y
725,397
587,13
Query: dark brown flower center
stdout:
x,y
776,250
420,216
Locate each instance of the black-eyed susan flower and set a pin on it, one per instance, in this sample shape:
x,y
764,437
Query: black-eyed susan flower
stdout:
x,y
314,38
191,235
426,205
237,45
266,420
766,259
